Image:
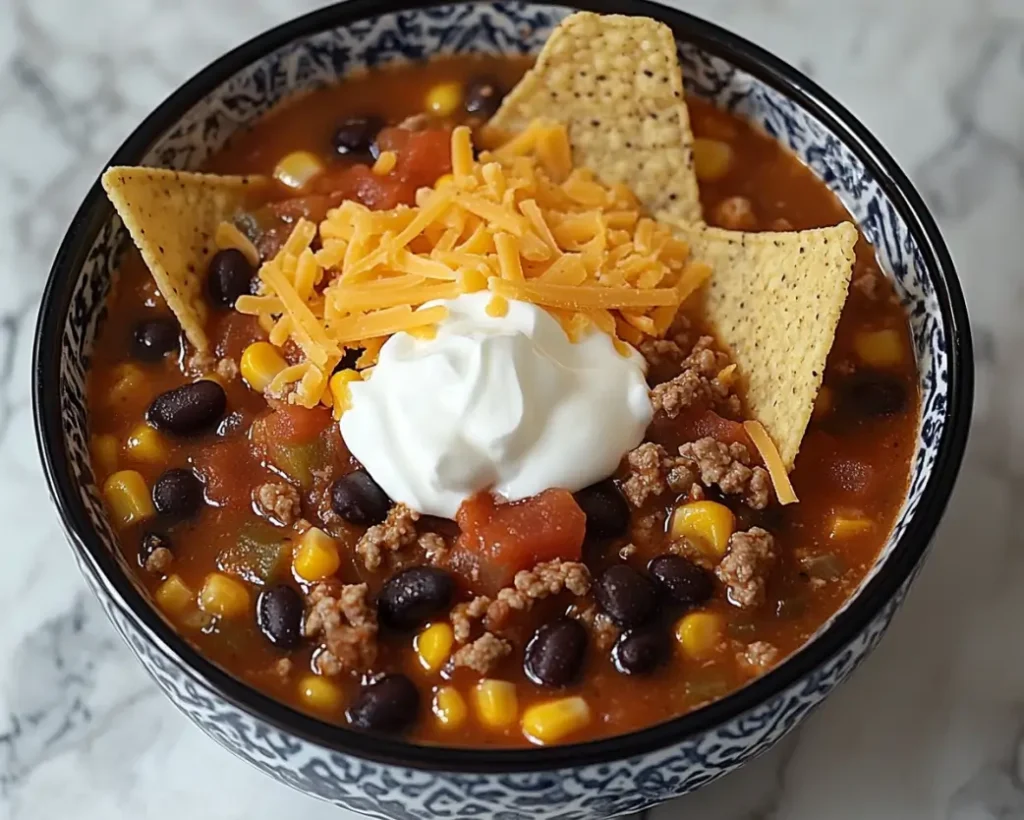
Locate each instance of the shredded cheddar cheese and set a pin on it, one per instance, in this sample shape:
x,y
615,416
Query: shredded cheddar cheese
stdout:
x,y
519,221
772,461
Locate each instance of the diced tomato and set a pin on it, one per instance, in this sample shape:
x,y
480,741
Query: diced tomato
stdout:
x,y
724,430
422,157
289,424
499,540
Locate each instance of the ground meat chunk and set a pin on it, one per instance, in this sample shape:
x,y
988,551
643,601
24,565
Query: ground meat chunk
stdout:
x,y
746,566
662,352
648,530
159,561
603,632
867,284
529,585
346,624
697,384
283,668
735,214
759,656
227,369
434,547
397,531
652,471
727,465
483,654
279,501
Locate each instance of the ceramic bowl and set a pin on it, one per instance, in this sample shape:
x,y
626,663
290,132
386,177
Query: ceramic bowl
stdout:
x,y
387,777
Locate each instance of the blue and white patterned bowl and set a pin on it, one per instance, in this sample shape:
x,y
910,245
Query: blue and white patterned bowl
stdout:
x,y
387,777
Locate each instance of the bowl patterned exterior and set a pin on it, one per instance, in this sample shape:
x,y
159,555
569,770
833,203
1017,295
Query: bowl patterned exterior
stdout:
x,y
387,778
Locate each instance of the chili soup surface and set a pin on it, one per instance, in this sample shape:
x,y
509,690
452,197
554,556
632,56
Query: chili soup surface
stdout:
x,y
697,602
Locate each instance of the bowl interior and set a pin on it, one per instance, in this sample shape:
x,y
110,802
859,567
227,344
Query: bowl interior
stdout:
x,y
204,114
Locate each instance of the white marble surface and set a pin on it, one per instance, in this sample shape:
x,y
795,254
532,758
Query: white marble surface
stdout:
x,y
931,726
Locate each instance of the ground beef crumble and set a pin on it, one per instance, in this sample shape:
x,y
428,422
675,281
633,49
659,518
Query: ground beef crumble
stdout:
x,y
279,501
159,561
652,471
727,465
483,654
529,585
759,656
603,632
434,548
697,384
746,566
346,624
397,531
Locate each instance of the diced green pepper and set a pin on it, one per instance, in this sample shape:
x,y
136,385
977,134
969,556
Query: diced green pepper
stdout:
x,y
260,555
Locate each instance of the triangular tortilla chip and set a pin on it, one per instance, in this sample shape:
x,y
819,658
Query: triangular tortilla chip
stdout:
x,y
615,82
775,300
172,216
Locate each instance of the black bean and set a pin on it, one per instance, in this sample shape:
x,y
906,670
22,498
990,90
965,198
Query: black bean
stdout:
x,y
683,581
554,656
409,598
606,510
358,499
189,409
389,704
178,493
483,97
150,543
152,339
229,276
640,651
626,595
355,135
870,393
279,615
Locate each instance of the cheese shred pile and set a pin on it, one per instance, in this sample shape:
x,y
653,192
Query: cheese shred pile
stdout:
x,y
520,222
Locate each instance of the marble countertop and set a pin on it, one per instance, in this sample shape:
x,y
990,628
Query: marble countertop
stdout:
x,y
932,725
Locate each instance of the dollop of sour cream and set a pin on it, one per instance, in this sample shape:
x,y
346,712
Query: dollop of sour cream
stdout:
x,y
501,403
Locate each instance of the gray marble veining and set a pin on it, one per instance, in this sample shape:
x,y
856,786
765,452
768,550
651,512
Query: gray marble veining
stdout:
x,y
931,726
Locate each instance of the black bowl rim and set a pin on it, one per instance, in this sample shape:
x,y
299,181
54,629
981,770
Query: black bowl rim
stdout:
x,y
95,211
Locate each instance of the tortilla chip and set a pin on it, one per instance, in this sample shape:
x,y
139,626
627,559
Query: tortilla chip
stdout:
x,y
172,216
615,82
775,300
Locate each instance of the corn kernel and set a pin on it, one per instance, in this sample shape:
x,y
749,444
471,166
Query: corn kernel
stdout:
x,y
316,557
434,645
823,403
340,393
496,703
879,348
224,596
553,720
104,454
848,527
712,159
444,99
497,306
385,163
708,523
259,365
294,170
174,596
129,382
145,443
449,707
320,694
128,497
699,633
